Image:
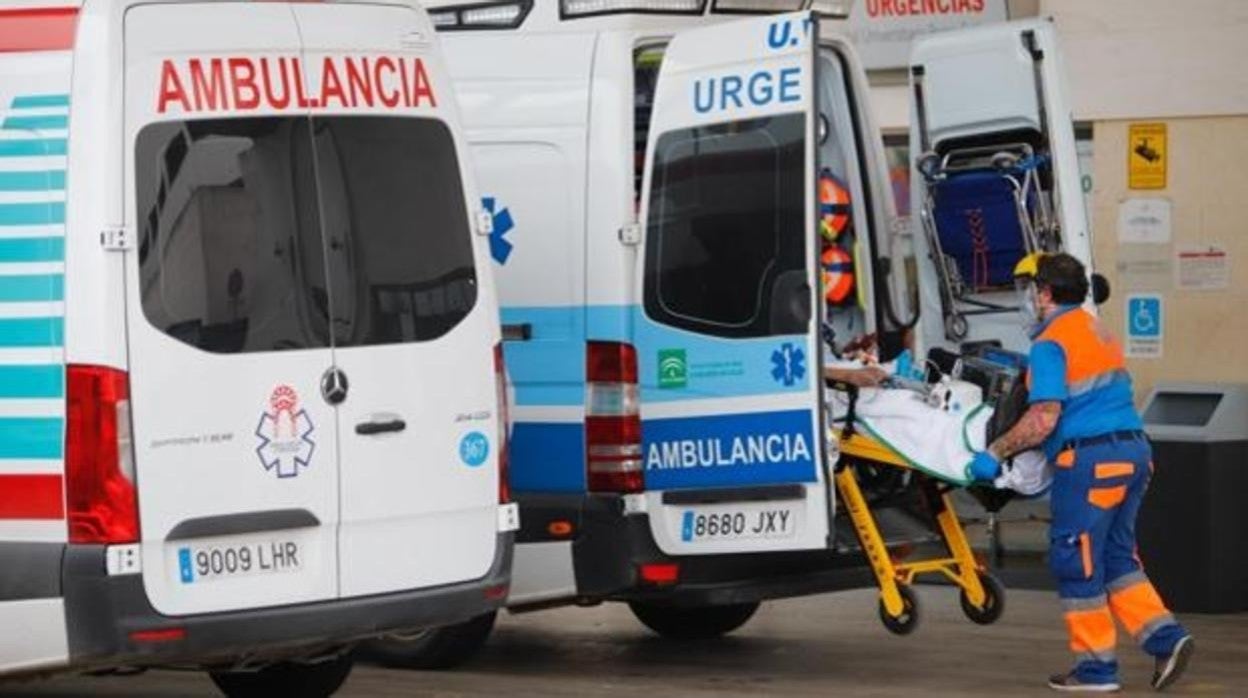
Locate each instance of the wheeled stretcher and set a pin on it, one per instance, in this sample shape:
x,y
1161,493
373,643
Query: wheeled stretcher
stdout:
x,y
982,595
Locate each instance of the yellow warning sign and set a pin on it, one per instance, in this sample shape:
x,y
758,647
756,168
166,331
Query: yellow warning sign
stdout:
x,y
1146,156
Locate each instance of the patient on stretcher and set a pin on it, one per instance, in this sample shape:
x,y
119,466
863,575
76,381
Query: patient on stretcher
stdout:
x,y
933,429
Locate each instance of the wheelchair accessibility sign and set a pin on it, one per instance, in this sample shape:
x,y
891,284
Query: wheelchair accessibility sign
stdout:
x,y
1144,326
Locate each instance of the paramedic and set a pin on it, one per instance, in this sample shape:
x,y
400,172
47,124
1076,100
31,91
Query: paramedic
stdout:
x,y
1081,410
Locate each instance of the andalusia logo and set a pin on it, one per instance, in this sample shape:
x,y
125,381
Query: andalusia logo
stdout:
x,y
673,368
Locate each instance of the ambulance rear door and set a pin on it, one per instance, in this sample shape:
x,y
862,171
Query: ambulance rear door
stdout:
x,y
727,342
978,95
236,448
414,319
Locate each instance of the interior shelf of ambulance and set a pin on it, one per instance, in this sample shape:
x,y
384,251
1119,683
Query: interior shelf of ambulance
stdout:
x,y
842,219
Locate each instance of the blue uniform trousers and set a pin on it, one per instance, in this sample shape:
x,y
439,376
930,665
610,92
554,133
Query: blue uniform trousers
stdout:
x,y
1096,496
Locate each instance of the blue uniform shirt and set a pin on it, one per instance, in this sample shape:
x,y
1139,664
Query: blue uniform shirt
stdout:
x,y
1099,405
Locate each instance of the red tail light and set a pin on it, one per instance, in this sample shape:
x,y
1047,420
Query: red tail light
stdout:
x,y
497,593
156,636
99,460
659,574
504,426
613,419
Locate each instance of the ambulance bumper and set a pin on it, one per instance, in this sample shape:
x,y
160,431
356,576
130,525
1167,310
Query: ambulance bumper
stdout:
x,y
104,612
612,547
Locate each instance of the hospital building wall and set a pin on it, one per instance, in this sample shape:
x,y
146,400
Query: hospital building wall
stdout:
x,y
1175,62
1179,64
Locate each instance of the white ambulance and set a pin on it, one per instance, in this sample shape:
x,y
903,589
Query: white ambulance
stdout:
x,y
250,365
656,170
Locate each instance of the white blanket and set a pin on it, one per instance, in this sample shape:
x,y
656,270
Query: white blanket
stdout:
x,y
938,443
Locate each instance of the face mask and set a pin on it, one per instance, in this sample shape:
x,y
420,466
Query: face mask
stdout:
x,y
1028,306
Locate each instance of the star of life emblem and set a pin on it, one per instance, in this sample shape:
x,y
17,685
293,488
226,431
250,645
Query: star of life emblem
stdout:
x,y
285,434
788,364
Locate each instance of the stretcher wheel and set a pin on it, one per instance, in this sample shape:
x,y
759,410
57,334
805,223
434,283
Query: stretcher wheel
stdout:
x,y
994,600
957,327
905,623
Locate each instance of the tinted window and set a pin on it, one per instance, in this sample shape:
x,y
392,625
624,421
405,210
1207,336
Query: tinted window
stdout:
x,y
397,228
726,244
256,231
646,63
229,249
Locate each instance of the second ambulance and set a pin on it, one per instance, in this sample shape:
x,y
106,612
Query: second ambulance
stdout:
x,y
689,197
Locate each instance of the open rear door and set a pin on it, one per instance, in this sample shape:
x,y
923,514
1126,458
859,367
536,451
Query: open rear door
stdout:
x,y
996,174
726,338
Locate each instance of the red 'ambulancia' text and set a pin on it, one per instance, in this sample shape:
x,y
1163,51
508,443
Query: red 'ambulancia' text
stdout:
x,y
277,83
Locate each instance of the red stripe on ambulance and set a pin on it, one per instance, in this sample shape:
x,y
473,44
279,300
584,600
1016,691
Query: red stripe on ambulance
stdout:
x,y
31,497
277,83
38,29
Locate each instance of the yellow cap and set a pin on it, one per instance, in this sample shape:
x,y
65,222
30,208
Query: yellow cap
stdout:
x,y
1029,265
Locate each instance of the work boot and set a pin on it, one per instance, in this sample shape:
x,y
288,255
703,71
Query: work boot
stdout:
x,y
1168,669
1071,683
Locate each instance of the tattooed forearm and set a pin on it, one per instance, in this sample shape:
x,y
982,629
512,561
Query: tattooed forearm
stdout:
x,y
1035,426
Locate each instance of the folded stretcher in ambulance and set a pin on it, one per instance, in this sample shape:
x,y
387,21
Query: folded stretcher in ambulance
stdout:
x,y
984,208
938,440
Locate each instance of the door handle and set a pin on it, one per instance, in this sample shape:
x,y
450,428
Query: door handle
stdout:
x,y
382,427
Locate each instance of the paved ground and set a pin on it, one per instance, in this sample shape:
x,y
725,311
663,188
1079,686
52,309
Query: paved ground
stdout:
x,y
823,645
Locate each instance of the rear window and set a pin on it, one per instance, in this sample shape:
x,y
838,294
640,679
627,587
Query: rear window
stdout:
x,y
725,236
260,234
397,228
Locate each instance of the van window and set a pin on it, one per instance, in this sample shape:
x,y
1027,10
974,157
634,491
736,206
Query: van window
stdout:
x,y
397,228
256,231
230,246
646,63
726,227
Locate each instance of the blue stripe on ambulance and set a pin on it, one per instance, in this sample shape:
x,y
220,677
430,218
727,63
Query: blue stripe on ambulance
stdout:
x,y
31,438
40,101
34,147
32,288
549,371
56,122
42,183
24,250
35,213
547,457
744,366
32,181
32,382
31,332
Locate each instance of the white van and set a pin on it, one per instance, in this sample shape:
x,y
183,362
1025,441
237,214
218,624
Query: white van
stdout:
x,y
250,365
653,168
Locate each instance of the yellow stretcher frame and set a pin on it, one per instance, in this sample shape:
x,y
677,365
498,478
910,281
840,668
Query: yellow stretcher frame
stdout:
x,y
983,597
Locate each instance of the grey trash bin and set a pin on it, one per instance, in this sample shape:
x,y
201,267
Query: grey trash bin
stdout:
x,y
1194,521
